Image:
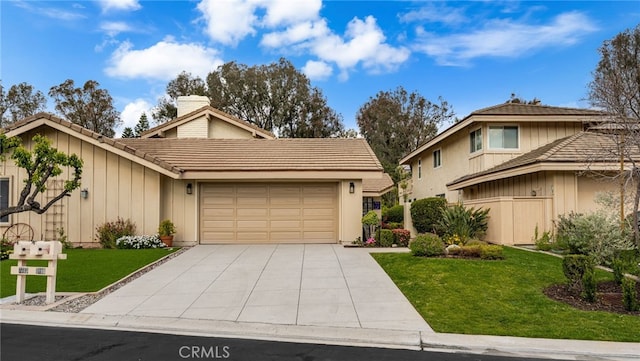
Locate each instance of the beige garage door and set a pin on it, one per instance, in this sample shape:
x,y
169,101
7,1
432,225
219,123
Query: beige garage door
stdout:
x,y
268,213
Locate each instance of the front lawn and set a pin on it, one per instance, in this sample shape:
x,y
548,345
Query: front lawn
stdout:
x,y
500,297
84,270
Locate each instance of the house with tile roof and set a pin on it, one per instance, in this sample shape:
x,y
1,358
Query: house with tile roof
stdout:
x,y
525,162
218,178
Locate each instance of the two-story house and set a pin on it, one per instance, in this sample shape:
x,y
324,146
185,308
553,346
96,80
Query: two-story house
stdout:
x,y
522,161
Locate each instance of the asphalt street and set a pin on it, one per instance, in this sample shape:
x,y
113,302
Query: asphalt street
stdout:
x,y
31,343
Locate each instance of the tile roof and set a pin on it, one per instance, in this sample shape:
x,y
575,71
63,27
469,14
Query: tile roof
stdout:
x,y
88,133
532,109
578,148
377,185
218,113
191,154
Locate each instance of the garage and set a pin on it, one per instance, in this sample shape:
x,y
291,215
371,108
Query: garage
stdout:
x,y
268,213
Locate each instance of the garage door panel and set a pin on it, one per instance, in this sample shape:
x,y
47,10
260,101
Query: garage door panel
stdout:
x,y
260,213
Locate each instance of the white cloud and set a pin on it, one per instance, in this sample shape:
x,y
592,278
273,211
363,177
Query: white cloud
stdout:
x,y
504,38
436,14
131,113
298,33
124,5
317,70
51,12
162,61
287,12
228,22
113,28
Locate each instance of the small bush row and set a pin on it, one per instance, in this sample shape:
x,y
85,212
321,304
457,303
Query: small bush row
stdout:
x,y
431,245
108,233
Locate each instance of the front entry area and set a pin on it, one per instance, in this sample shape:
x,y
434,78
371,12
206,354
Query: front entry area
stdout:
x,y
268,213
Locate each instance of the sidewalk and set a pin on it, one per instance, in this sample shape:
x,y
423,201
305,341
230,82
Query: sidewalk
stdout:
x,y
416,340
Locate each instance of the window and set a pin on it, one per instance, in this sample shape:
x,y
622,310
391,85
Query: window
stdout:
x,y
503,137
419,168
441,195
437,158
475,140
4,197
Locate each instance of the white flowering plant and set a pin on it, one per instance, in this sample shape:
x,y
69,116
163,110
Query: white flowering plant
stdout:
x,y
139,242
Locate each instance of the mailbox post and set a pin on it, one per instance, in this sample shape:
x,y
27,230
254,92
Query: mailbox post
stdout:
x,y
24,251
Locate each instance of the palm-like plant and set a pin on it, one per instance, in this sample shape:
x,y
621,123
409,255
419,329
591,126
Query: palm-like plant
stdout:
x,y
466,223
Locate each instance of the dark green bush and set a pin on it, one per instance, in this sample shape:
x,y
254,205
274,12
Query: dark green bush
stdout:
x,y
629,295
491,252
107,233
393,214
618,267
470,251
426,214
574,266
589,284
386,238
428,245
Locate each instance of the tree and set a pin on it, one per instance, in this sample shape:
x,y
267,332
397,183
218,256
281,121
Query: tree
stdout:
x,y
615,88
128,133
89,106
142,126
21,101
516,99
184,84
40,164
275,97
396,122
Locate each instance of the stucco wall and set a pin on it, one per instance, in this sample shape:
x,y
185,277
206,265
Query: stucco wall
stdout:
x,y
117,187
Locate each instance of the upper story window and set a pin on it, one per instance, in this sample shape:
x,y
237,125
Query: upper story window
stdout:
x,y
475,140
4,197
437,158
503,137
419,168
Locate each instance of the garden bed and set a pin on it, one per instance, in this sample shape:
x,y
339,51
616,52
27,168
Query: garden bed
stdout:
x,y
608,298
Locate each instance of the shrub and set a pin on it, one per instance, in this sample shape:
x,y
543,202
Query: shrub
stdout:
x,y
370,220
109,232
465,223
402,237
139,242
491,252
386,238
474,251
6,248
589,284
166,228
428,245
543,242
476,242
629,295
618,268
574,267
393,214
594,234
392,225
426,213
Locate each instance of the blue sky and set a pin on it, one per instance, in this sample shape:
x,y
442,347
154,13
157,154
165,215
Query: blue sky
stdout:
x,y
472,53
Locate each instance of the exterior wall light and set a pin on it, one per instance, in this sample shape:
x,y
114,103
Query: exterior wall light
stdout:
x,y
533,193
352,187
84,193
189,188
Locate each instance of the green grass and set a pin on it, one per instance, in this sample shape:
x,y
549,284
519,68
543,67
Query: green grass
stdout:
x,y
500,297
84,270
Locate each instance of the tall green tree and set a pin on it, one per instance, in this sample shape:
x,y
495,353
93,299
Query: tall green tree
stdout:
x,y
396,122
615,88
184,84
88,106
40,163
20,101
276,97
142,126
128,133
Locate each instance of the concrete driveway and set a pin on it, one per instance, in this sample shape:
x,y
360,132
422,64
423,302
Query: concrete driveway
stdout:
x,y
321,285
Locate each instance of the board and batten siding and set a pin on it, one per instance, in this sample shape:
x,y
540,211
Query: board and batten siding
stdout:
x,y
117,187
180,208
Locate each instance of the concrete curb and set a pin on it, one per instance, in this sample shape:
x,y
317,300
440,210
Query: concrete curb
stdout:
x,y
382,338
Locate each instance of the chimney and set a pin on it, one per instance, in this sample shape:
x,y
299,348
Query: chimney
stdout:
x,y
189,103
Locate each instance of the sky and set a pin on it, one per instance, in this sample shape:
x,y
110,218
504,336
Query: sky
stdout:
x,y
473,54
